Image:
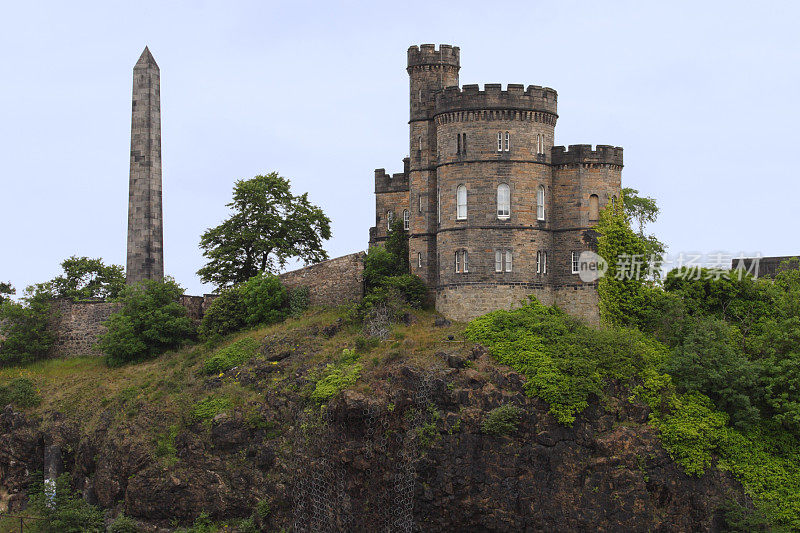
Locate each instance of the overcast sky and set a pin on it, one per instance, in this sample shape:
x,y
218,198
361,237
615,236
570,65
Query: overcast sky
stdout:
x,y
703,96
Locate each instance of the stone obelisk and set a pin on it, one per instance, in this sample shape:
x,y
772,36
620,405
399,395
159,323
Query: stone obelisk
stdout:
x,y
145,220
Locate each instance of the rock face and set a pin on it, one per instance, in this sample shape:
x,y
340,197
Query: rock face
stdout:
x,y
410,453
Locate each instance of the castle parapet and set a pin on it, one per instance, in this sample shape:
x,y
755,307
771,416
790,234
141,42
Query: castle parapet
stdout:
x,y
391,182
427,54
583,153
493,97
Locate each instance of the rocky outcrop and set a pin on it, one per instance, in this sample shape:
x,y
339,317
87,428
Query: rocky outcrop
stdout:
x,y
404,451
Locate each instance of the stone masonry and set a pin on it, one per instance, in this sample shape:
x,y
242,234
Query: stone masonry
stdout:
x,y
330,283
145,221
76,326
484,142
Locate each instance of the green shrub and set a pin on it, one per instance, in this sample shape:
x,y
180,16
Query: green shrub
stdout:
x,y
263,509
20,392
564,360
502,420
150,322
366,344
259,300
337,376
379,263
231,356
410,287
24,328
123,524
298,299
209,407
67,512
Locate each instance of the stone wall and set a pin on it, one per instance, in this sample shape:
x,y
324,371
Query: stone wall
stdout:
x,y
330,283
77,325
196,306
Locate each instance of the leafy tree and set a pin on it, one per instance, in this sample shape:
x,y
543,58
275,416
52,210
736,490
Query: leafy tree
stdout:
x,y
397,245
65,511
6,290
643,210
24,328
150,322
85,278
268,226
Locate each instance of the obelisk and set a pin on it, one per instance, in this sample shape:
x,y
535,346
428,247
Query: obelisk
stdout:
x,y
145,221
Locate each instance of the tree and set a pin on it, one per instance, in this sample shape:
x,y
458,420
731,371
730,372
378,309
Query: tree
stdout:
x,y
6,290
643,210
85,278
150,322
397,244
269,225
24,328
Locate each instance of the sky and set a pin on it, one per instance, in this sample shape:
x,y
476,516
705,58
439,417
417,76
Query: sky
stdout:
x,y
703,96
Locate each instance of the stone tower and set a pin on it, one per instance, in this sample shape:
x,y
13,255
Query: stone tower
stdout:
x,y
145,221
495,212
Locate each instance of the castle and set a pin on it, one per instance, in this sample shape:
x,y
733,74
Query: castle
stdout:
x,y
494,211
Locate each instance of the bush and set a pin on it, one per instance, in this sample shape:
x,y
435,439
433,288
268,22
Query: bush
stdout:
x,y
337,376
410,287
123,524
231,356
298,301
379,263
259,300
67,512
150,322
209,407
20,392
24,326
502,420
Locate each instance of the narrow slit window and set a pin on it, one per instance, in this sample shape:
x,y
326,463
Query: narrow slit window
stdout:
x,y
544,262
498,261
508,142
458,144
465,261
420,202
464,143
419,259
461,201
540,203
574,261
509,260
406,220
499,141
389,217
538,262
503,201
458,262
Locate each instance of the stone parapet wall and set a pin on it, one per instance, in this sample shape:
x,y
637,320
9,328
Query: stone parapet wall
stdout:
x,y
580,300
77,325
465,302
330,283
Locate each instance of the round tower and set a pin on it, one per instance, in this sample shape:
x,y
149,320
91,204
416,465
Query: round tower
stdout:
x,y
493,170
430,70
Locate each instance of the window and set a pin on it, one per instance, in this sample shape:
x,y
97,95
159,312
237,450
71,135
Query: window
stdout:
x,y
540,203
461,201
419,140
503,261
420,203
406,220
464,143
499,141
458,144
438,206
461,262
419,259
575,266
544,262
503,201
540,143
389,218
538,262
594,208
508,142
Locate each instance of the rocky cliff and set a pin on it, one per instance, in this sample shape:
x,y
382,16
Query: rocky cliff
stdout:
x,y
405,448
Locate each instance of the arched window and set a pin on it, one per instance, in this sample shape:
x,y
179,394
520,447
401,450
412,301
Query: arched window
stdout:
x,y
544,262
538,262
461,202
540,203
406,220
503,201
419,259
389,219
594,208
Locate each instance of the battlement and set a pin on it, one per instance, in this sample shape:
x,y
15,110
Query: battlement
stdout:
x,y
391,182
583,153
427,54
515,97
